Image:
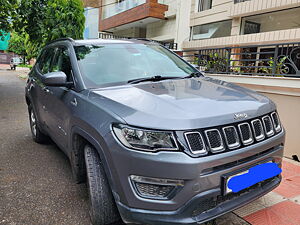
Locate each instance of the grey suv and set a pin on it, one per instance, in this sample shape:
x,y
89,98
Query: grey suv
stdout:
x,y
155,140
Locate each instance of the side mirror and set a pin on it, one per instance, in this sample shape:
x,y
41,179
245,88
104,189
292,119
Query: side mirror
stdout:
x,y
55,79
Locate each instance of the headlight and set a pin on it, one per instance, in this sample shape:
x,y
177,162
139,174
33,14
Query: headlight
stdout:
x,y
146,140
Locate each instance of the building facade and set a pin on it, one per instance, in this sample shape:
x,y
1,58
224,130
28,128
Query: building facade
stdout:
x,y
243,22
160,20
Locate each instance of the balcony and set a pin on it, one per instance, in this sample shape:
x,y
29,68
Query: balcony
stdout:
x,y
128,12
275,60
170,45
112,10
251,7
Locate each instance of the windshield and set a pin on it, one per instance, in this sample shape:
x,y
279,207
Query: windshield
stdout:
x,y
115,64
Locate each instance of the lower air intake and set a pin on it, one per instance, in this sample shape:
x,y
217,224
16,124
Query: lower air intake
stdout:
x,y
153,190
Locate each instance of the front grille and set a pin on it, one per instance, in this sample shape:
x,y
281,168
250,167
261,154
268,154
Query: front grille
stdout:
x,y
276,121
268,126
233,136
214,140
258,130
246,133
196,143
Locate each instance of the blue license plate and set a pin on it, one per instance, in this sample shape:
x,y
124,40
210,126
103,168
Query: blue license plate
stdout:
x,y
254,175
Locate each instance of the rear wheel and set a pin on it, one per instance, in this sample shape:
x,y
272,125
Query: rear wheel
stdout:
x,y
102,206
37,134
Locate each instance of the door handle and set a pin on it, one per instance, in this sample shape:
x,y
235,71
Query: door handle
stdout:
x,y
74,102
45,89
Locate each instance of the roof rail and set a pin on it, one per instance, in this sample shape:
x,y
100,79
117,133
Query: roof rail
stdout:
x,y
61,39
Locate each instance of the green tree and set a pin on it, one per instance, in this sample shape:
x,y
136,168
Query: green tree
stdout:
x,y
65,18
7,14
17,44
47,20
32,49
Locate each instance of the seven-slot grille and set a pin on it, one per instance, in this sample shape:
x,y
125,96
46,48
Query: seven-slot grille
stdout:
x,y
233,136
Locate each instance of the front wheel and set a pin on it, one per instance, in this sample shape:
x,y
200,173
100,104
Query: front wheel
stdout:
x,y
103,209
37,134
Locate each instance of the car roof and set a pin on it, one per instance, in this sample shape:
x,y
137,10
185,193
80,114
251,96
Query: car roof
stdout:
x,y
105,41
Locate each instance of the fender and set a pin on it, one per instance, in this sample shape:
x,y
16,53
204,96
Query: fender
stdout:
x,y
100,149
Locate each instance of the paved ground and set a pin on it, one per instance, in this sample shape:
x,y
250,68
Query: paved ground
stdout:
x,y
36,187
35,180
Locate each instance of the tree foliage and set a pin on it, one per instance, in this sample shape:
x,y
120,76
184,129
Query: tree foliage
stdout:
x,y
47,20
7,14
17,43
43,21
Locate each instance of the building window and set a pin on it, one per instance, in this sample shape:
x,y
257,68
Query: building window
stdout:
x,y
251,27
212,30
204,5
280,20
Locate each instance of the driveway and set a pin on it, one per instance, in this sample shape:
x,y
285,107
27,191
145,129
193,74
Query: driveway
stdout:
x,y
36,186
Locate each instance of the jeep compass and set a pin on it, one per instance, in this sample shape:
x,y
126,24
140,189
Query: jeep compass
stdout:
x,y
156,141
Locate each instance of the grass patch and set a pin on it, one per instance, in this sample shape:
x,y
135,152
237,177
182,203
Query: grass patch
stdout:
x,y
25,65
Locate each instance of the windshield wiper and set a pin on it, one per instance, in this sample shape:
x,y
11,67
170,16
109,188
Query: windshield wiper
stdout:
x,y
194,74
154,78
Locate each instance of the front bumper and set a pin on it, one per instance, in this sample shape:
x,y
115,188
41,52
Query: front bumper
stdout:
x,y
202,181
192,213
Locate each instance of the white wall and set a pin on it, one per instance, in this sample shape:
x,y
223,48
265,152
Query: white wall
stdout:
x,y
183,22
91,23
162,30
219,11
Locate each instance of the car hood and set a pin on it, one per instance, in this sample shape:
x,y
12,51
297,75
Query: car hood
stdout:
x,y
181,104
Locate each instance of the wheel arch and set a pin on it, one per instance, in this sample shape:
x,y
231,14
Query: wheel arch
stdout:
x,y
80,138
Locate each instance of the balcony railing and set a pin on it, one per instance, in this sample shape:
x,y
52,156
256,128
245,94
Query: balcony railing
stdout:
x,y
265,60
169,45
114,9
239,1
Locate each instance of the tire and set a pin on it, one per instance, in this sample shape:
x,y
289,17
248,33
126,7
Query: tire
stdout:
x,y
102,207
37,135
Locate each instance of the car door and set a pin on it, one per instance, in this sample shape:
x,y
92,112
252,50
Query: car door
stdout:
x,y
38,90
60,100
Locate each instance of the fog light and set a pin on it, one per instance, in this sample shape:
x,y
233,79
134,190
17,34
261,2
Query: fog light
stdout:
x,y
154,188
